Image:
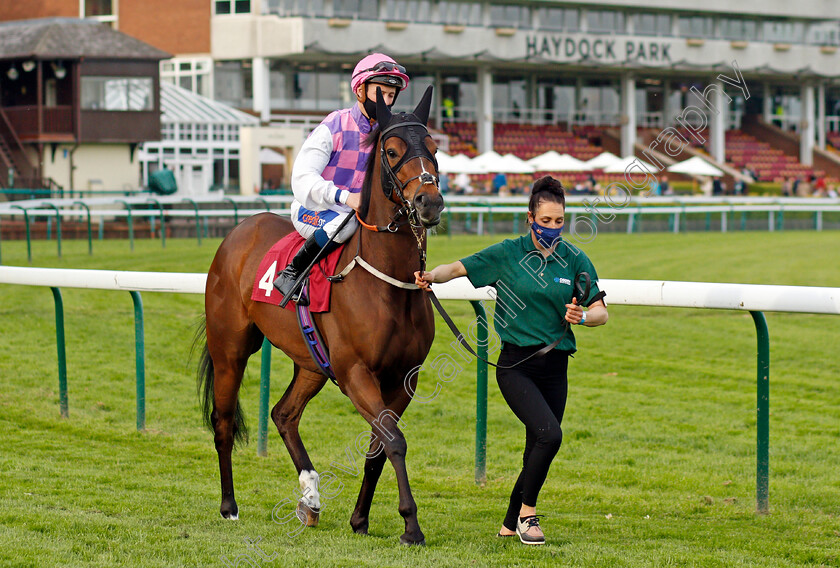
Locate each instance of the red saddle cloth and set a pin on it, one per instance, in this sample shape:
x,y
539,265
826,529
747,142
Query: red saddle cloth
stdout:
x,y
278,257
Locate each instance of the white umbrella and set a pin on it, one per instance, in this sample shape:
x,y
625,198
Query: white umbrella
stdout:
x,y
269,156
695,166
602,161
512,164
460,164
633,162
551,161
443,160
488,161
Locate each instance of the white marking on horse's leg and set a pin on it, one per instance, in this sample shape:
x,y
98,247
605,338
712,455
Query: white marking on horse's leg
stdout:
x,y
309,487
234,517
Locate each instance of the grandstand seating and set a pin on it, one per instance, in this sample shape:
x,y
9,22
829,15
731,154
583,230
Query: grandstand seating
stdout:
x,y
769,164
523,140
527,141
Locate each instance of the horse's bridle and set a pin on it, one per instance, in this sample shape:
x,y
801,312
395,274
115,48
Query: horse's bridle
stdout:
x,y
393,187
417,133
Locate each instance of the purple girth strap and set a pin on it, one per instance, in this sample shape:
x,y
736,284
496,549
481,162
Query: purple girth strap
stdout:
x,y
311,336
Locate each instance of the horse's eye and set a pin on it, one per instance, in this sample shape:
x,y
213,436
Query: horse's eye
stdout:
x,y
392,154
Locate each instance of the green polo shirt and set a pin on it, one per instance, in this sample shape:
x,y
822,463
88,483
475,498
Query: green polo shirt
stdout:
x,y
532,291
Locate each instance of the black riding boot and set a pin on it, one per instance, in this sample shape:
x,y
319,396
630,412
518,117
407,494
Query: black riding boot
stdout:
x,y
300,262
302,259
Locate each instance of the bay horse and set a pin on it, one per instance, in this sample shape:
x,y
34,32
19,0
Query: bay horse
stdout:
x,y
376,333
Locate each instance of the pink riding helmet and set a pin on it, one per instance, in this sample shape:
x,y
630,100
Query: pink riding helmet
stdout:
x,y
382,69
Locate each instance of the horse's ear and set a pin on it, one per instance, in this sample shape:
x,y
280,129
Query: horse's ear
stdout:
x,y
383,113
424,106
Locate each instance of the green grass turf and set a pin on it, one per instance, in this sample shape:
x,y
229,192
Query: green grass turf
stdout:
x,y
657,466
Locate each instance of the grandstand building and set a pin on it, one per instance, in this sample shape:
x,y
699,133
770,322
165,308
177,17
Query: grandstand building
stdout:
x,y
526,76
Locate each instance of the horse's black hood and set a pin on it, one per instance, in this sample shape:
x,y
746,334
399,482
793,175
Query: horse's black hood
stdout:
x,y
409,126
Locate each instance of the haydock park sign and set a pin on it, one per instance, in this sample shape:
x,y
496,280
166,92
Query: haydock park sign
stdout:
x,y
608,49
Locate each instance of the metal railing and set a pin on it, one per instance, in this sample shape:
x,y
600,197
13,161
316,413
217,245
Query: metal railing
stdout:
x,y
755,299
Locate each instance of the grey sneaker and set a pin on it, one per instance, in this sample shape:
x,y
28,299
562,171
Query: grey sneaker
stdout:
x,y
528,529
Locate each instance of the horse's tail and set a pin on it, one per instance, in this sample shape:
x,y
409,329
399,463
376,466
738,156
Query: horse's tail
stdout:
x,y
205,385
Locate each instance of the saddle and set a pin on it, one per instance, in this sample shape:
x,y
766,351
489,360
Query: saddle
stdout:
x,y
278,257
314,297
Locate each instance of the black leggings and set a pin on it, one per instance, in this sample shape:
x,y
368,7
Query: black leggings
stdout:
x,y
536,392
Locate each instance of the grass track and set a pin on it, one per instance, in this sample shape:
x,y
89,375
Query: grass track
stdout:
x,y
659,431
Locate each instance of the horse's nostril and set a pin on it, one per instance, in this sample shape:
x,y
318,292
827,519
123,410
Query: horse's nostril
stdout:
x,y
421,200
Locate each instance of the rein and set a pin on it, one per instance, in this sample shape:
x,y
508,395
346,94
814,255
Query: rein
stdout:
x,y
582,290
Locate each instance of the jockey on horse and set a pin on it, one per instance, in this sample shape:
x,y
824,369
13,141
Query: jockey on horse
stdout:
x,y
329,170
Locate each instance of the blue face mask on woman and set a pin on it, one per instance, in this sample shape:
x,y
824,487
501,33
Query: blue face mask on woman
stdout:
x,y
546,236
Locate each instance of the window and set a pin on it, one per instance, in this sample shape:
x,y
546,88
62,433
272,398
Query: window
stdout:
x,y
509,16
233,7
314,8
652,24
460,13
738,29
557,19
784,31
696,26
408,10
824,33
101,10
605,21
192,74
93,8
117,93
361,9
232,83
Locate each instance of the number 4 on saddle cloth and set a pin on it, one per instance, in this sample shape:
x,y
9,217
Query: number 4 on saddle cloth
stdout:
x,y
315,294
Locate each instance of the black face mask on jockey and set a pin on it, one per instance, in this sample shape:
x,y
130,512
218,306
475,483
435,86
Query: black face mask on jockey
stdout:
x,y
370,106
411,129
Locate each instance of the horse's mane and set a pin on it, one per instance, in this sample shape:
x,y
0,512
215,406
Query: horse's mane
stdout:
x,y
369,141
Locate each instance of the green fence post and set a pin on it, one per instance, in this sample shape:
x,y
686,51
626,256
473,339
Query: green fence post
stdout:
x,y
235,209
57,224
162,222
140,360
90,235
481,395
28,234
197,219
762,477
265,387
264,202
130,222
62,356
449,222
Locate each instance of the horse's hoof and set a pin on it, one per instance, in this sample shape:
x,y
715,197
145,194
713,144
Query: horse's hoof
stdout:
x,y
408,540
360,528
308,515
229,510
